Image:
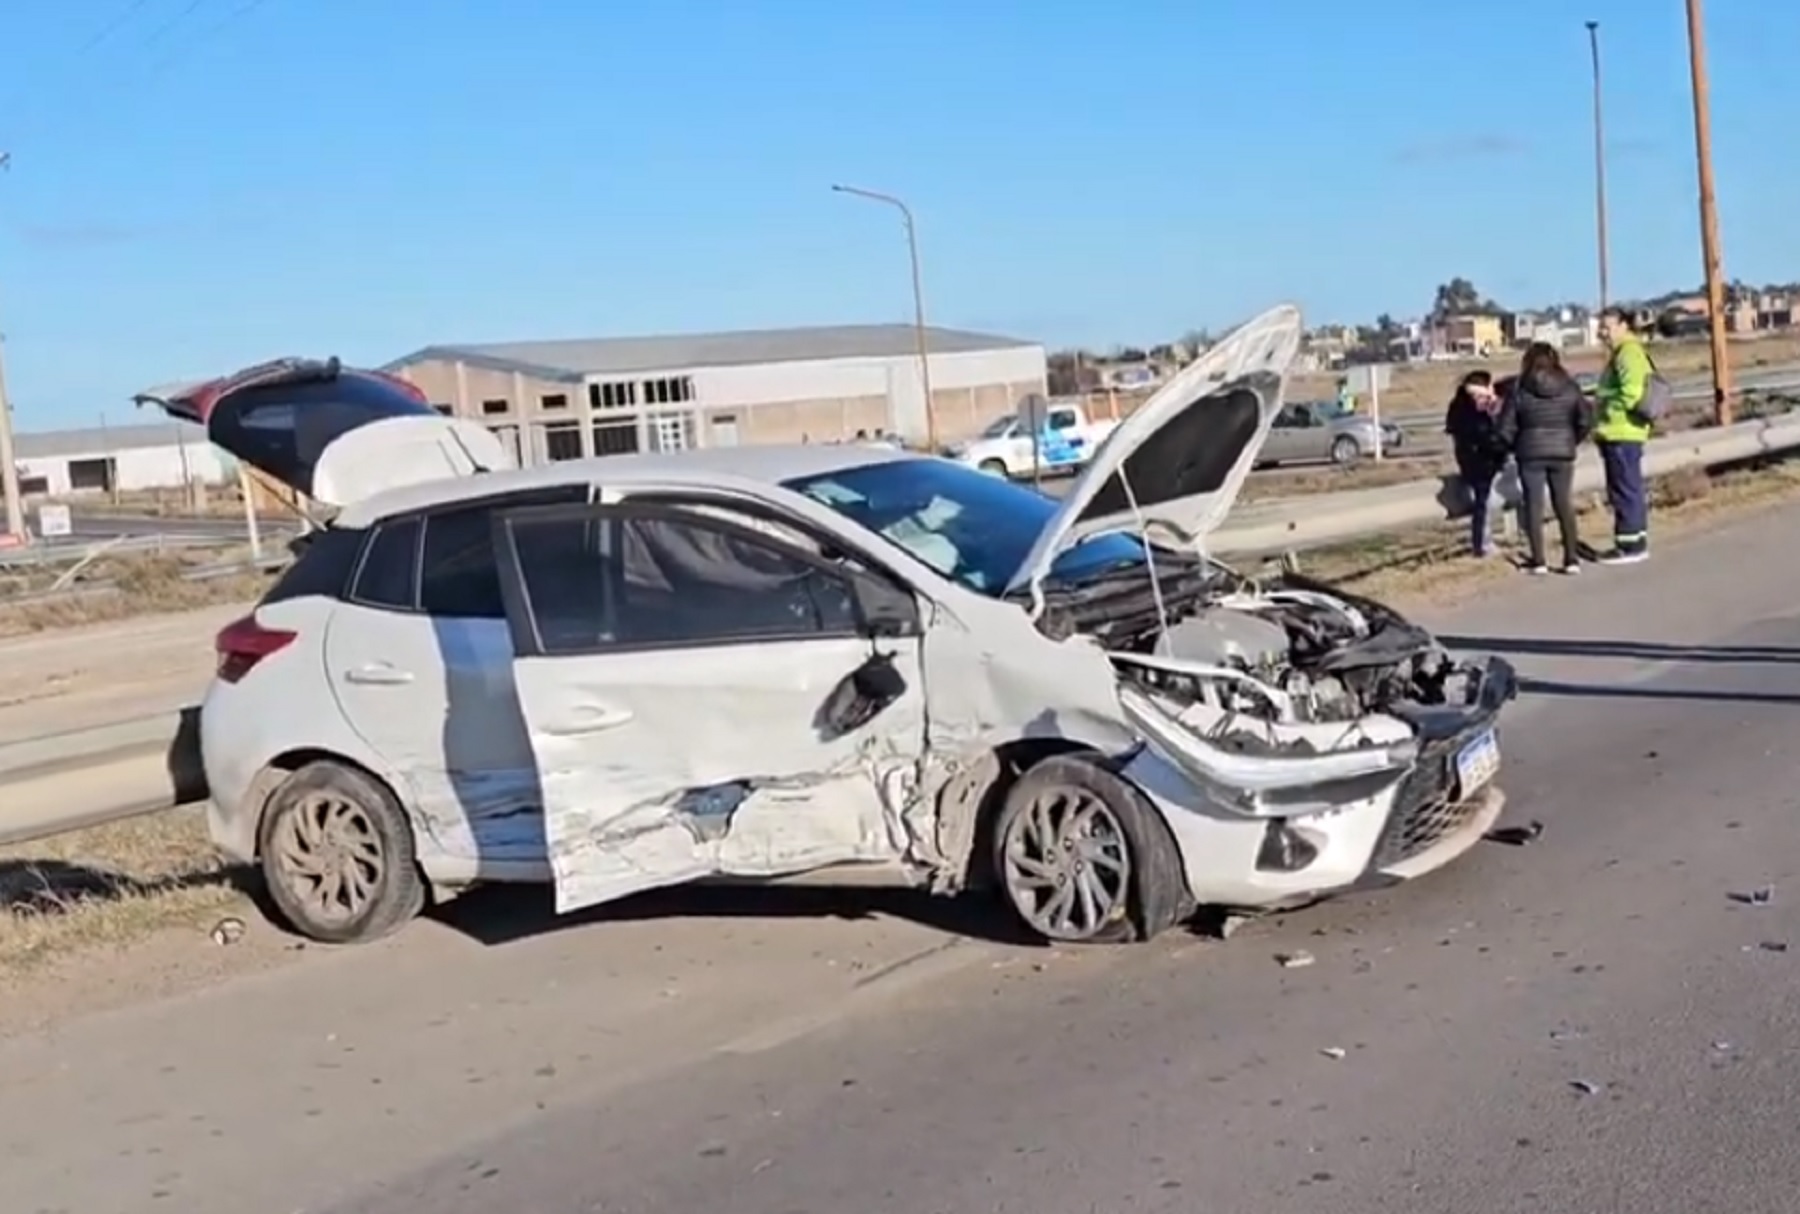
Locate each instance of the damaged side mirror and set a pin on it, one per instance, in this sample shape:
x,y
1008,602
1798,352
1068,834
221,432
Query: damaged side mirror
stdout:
x,y
860,697
883,609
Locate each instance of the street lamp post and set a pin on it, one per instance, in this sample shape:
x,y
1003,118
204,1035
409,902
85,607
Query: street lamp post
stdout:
x,y
918,290
1593,29
9,470
1709,216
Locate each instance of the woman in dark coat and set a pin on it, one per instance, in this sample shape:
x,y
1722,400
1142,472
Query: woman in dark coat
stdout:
x,y
1545,419
1473,424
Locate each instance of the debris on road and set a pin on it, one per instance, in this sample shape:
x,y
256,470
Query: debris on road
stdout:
x,y
1336,1053
1586,1087
1773,946
228,930
1762,896
1516,836
1298,959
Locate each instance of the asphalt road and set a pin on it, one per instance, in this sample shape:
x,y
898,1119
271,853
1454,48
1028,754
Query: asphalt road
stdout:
x,y
770,1053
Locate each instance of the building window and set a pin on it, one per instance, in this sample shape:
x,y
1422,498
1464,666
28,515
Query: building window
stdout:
x,y
445,410
675,391
562,441
612,396
88,475
615,438
492,407
672,433
558,401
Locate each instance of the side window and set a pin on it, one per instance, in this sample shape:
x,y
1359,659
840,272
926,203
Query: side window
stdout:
x,y
457,572
1063,419
389,575
323,563
636,580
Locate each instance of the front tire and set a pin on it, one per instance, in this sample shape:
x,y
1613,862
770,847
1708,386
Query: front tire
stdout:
x,y
1345,452
1082,858
338,856
995,467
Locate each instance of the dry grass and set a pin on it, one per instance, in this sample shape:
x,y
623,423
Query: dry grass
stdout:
x,y
140,585
1431,565
221,501
1415,388
111,886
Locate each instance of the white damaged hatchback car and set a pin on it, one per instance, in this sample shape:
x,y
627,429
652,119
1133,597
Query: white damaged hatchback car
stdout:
x,y
758,662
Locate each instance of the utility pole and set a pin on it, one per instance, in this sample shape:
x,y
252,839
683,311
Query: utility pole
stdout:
x,y
1709,216
9,466
918,290
1593,29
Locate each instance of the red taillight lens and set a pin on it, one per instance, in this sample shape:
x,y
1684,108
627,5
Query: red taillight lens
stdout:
x,y
243,643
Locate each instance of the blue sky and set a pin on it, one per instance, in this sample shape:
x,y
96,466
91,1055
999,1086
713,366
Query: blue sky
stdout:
x,y
219,181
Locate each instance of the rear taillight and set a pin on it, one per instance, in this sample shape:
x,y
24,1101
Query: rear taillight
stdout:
x,y
243,643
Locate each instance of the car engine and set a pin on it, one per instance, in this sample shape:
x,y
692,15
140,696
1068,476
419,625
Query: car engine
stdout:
x,y
1288,651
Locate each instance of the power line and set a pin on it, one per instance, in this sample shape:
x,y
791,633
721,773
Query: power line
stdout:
x,y
160,32
119,21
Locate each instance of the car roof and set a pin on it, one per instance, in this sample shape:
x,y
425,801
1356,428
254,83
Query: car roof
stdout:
x,y
700,467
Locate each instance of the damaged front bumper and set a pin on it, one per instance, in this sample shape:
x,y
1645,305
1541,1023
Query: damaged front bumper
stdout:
x,y
1410,818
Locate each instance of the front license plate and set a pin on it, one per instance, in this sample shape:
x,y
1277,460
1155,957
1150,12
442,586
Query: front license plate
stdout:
x,y
1477,763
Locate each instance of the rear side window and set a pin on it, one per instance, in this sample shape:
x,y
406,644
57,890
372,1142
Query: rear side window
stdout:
x,y
457,573
389,575
323,563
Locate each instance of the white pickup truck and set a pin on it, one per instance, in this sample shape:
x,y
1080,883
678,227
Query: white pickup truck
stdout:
x,y
1066,441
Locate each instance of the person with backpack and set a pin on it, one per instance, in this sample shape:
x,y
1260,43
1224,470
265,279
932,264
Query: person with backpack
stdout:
x,y
1629,396
1473,423
1544,421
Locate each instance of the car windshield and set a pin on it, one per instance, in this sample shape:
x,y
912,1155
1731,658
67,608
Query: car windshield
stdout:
x,y
1000,427
971,527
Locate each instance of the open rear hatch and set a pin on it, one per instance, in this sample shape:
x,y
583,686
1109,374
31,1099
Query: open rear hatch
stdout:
x,y
333,434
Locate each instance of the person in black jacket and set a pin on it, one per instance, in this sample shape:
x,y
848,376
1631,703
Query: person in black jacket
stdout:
x,y
1473,424
1545,419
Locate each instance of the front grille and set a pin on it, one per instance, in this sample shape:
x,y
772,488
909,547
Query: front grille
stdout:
x,y
1423,810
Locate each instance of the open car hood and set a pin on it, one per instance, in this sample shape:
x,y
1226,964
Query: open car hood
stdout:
x,y
331,433
1178,463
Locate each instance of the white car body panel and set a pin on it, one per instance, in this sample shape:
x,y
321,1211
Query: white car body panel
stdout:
x,y
404,451
1263,350
658,769
612,770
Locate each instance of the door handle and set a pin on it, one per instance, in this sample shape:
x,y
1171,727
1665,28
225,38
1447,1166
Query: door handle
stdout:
x,y
378,674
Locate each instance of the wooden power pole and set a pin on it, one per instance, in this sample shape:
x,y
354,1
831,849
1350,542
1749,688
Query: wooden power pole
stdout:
x,y
1709,216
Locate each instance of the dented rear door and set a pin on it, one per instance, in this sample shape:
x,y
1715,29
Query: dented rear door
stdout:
x,y
682,680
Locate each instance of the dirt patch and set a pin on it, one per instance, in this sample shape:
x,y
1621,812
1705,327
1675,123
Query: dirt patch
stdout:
x,y
111,886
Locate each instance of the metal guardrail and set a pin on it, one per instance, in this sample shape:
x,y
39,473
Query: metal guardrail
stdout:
x,y
157,758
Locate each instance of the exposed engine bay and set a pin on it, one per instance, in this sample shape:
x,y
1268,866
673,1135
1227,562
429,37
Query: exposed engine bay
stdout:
x,y
1284,664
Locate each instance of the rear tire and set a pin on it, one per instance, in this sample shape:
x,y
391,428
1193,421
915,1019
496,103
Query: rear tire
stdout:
x,y
338,856
1082,858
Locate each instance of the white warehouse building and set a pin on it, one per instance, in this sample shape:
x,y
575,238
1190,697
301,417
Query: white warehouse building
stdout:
x,y
118,459
557,400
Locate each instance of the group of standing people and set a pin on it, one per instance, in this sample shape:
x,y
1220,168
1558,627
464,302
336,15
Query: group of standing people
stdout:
x,y
1538,420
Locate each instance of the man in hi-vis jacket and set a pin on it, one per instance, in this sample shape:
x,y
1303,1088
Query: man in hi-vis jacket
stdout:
x,y
1620,431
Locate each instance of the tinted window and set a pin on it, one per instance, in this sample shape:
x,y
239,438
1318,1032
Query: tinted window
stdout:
x,y
323,562
973,528
670,580
284,428
457,574
389,576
